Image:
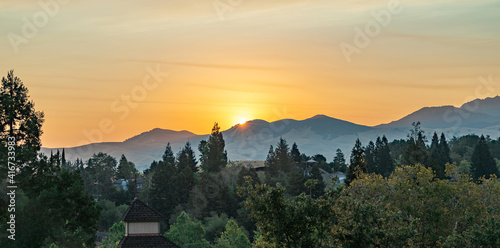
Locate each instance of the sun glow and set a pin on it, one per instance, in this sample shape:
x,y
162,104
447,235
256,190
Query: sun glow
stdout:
x,y
242,121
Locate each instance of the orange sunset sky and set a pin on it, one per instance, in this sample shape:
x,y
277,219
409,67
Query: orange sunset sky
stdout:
x,y
131,66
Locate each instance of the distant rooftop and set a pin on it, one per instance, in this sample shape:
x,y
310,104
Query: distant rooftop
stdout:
x,y
141,212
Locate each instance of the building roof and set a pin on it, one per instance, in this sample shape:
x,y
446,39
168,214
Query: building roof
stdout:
x,y
152,241
141,212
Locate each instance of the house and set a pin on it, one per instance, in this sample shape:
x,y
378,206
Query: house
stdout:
x,y
306,168
142,228
123,183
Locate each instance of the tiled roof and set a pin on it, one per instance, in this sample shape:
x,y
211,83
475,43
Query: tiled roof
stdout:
x,y
140,212
156,241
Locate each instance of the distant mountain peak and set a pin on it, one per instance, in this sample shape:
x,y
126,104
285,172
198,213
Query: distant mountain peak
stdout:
x,y
320,116
157,133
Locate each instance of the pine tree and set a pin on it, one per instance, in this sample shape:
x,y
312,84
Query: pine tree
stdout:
x,y
186,163
482,163
126,169
370,155
213,155
318,189
63,158
339,161
385,161
98,176
162,197
358,162
444,151
416,151
283,158
19,120
295,153
270,163
435,157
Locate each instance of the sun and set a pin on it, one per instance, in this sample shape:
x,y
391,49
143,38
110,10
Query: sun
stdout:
x,y
242,121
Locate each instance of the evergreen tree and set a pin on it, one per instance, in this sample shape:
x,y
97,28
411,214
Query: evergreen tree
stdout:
x,y
244,172
416,152
270,163
280,168
186,163
444,151
99,175
189,157
384,158
295,153
213,155
319,188
339,161
59,211
358,162
63,158
435,157
370,155
126,169
282,156
482,163
162,196
19,120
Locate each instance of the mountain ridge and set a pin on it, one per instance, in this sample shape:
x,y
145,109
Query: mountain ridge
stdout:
x,y
318,134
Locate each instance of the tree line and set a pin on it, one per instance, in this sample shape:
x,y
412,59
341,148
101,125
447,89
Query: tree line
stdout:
x,y
399,193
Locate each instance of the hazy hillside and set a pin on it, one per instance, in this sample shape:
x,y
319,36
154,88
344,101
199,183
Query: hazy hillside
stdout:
x,y
475,114
490,105
319,134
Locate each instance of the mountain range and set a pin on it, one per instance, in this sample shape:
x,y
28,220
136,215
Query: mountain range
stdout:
x,y
319,134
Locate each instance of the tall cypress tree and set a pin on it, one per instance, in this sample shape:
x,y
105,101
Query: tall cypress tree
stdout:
x,y
358,162
482,163
63,158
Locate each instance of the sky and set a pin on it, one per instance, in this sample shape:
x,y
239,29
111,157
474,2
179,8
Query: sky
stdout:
x,y
109,70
